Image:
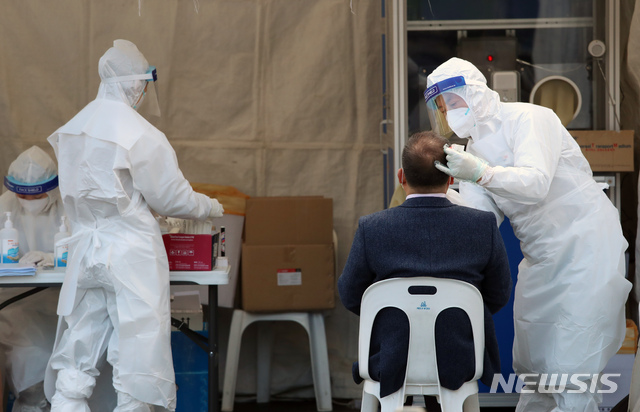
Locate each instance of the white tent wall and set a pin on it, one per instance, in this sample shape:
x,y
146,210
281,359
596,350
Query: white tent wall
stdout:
x,y
273,97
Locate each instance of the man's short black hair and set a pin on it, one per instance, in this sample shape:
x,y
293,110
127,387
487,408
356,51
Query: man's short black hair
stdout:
x,y
418,157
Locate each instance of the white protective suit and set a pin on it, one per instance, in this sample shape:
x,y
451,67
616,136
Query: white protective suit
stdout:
x,y
113,167
571,290
28,326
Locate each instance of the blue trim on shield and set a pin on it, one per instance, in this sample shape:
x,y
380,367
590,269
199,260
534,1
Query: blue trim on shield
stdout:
x,y
33,189
443,86
154,73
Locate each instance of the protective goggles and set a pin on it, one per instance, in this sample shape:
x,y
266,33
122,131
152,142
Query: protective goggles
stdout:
x,y
30,189
150,94
439,102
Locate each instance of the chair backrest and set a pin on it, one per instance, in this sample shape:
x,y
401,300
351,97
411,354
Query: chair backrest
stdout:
x,y
422,299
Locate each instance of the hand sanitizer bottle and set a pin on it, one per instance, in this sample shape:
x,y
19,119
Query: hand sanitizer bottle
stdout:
x,y
61,250
9,239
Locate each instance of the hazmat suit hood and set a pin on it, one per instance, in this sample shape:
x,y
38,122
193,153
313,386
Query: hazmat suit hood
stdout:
x,y
483,102
125,74
31,168
123,59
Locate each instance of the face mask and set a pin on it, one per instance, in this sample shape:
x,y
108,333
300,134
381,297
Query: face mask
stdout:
x,y
35,206
461,121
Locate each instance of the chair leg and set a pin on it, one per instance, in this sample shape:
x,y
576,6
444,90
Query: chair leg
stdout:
x,y
369,402
233,357
320,362
471,404
453,401
450,401
263,372
393,402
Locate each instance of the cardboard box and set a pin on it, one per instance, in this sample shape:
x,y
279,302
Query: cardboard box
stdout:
x,y
277,278
229,294
191,252
289,220
606,150
630,342
287,254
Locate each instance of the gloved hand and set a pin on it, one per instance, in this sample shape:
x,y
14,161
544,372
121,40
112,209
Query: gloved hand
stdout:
x,y
35,256
174,224
216,208
462,165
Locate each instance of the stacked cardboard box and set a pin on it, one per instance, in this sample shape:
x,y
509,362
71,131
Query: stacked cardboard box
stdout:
x,y
606,150
287,254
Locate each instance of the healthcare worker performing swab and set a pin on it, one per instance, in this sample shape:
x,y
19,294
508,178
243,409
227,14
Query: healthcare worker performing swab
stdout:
x,y
114,166
522,163
28,326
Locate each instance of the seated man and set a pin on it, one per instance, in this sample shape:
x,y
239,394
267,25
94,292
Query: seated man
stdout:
x,y
427,235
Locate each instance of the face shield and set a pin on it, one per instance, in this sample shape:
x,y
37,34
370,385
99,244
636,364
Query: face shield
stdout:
x,y
148,94
37,188
448,112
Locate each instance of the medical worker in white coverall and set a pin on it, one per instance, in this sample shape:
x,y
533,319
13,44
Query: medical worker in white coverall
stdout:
x,y
114,166
28,326
520,162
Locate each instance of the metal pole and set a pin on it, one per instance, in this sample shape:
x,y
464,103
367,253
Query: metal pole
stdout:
x,y
214,397
400,87
612,39
612,24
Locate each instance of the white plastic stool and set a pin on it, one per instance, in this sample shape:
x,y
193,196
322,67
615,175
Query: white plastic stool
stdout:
x,y
312,322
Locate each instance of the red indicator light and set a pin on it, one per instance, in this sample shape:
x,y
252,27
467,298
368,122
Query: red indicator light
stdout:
x,y
490,58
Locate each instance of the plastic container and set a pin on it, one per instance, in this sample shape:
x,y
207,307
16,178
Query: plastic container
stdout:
x,y
10,244
61,250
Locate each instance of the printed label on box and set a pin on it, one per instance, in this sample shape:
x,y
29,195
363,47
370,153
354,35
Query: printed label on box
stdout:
x,y
201,265
182,252
289,277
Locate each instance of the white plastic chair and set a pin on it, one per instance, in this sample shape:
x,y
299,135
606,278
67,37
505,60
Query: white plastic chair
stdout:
x,y
422,310
313,323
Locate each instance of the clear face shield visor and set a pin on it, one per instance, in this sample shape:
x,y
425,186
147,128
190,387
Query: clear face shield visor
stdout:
x,y
149,94
439,102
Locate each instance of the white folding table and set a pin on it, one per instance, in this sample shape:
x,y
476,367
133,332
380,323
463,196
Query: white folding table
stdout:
x,y
219,276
